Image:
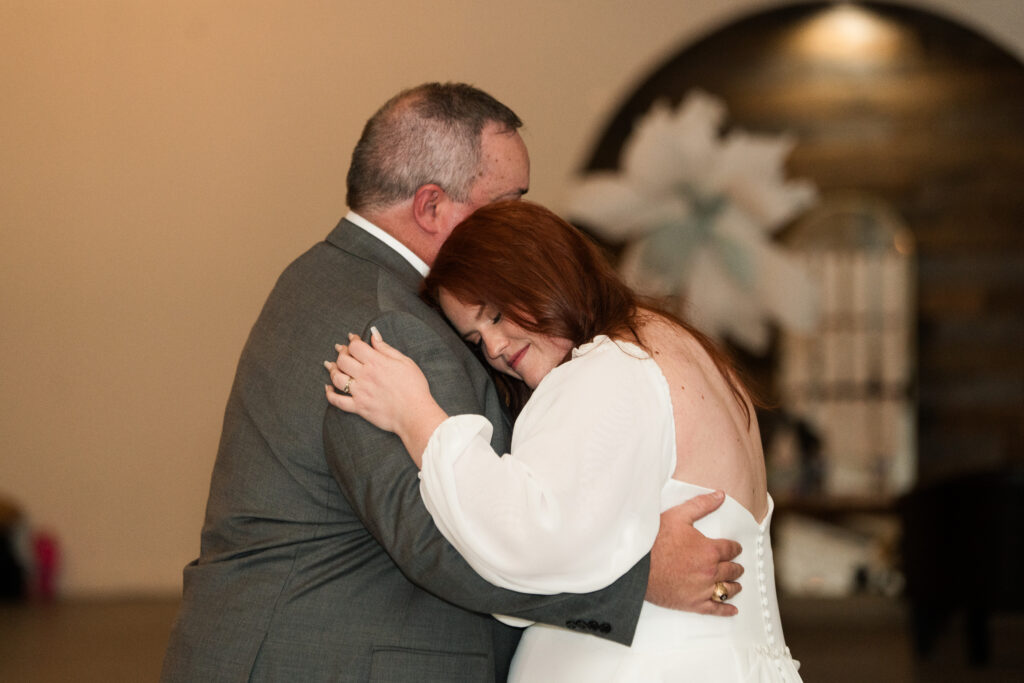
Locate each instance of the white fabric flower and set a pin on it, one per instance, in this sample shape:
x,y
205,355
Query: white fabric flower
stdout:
x,y
696,211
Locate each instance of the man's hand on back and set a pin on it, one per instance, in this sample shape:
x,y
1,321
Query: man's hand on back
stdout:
x,y
685,564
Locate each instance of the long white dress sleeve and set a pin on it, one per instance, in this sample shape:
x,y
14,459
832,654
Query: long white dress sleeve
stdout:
x,y
577,501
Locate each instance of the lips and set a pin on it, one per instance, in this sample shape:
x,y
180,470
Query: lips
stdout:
x,y
514,360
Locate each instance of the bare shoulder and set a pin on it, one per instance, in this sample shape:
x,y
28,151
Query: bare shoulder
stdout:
x,y
718,443
674,349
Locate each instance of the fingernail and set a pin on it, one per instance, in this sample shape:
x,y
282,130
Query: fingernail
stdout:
x,y
327,364
338,347
374,332
351,336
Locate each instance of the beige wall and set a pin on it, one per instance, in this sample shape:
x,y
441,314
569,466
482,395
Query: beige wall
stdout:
x,y
160,162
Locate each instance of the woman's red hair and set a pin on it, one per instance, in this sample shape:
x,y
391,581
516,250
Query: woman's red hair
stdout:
x,y
547,277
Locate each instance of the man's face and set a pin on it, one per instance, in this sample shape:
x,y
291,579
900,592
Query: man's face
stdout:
x,y
505,172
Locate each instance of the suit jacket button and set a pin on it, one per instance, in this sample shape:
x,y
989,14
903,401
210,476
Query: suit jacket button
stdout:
x,y
606,627
593,625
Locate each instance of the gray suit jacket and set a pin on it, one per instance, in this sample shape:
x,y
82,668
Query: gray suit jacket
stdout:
x,y
319,561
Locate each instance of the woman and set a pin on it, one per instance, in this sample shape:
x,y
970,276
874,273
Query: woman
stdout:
x,y
631,412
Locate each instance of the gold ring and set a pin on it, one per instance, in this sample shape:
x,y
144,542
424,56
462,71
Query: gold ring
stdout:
x,y
720,593
348,385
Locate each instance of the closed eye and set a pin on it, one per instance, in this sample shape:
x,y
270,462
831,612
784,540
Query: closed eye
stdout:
x,y
473,337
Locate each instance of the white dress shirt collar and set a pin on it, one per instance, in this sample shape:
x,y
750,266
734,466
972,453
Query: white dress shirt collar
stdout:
x,y
406,253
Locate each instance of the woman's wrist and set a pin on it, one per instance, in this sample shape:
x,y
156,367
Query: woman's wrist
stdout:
x,y
418,429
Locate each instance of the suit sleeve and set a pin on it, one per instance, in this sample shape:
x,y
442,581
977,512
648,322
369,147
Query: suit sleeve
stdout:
x,y
380,481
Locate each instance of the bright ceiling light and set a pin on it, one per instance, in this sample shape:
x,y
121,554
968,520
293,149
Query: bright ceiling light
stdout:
x,y
849,34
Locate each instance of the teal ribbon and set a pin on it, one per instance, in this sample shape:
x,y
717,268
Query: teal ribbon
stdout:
x,y
670,248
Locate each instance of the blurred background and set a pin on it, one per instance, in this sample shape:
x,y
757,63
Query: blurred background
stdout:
x,y
851,184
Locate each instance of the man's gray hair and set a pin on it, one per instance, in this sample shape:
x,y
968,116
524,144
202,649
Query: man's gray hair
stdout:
x,y
427,134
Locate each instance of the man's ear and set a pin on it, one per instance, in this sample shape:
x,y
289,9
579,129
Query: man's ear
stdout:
x,y
428,207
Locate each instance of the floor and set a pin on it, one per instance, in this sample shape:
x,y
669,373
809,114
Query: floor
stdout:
x,y
837,641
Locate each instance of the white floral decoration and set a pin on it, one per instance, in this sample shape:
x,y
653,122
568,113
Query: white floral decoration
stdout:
x,y
696,211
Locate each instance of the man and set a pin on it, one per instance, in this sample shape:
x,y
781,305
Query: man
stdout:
x,y
318,560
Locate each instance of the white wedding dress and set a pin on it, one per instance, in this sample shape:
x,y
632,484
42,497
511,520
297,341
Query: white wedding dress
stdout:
x,y
577,503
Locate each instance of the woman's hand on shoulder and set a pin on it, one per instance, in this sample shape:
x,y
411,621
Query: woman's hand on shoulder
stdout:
x,y
385,387
376,381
